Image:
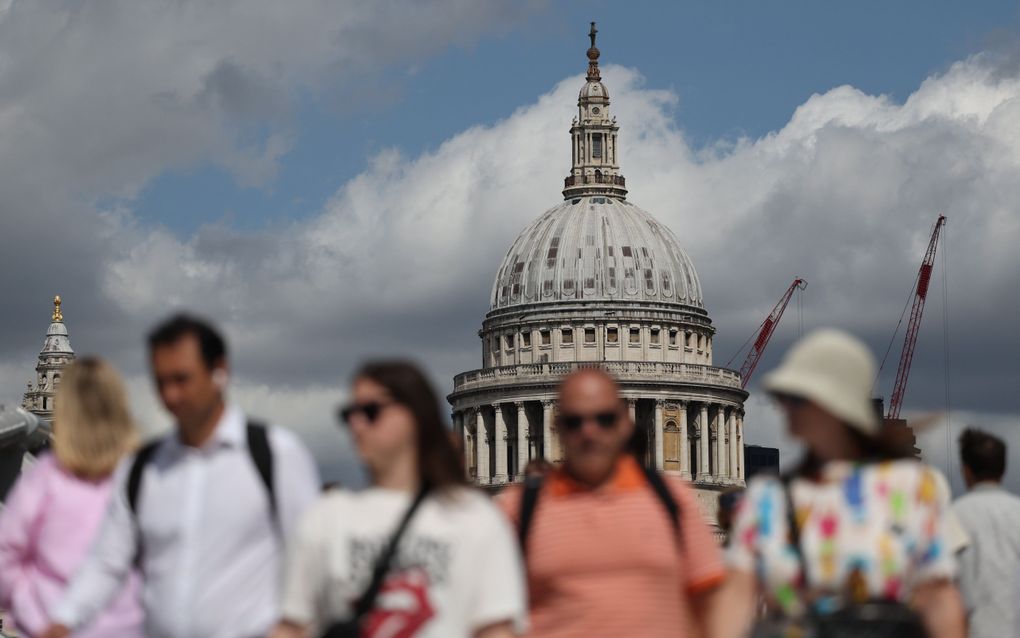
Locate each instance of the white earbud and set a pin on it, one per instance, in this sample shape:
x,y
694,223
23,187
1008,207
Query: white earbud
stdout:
x,y
220,378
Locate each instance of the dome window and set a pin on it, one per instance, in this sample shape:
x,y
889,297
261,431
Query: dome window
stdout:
x,y
654,336
612,335
546,337
635,335
525,339
672,337
589,335
649,281
627,252
567,336
509,342
596,151
547,287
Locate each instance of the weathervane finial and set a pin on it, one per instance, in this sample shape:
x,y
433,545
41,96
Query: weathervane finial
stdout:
x,y
593,57
57,315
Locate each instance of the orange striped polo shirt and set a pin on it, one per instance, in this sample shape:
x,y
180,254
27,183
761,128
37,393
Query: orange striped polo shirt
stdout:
x,y
607,562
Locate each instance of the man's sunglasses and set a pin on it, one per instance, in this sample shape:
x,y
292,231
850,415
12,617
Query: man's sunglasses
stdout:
x,y
370,409
573,422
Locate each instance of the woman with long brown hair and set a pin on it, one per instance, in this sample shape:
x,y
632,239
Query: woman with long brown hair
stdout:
x,y
55,508
419,552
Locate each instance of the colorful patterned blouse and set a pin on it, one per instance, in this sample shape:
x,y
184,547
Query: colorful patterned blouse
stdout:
x,y
867,531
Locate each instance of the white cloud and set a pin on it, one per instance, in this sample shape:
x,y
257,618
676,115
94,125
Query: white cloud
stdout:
x,y
843,195
400,259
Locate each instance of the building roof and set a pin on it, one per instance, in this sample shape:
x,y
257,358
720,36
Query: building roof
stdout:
x,y
596,248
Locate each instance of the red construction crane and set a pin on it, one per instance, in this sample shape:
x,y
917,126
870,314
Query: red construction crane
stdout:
x,y
765,332
910,340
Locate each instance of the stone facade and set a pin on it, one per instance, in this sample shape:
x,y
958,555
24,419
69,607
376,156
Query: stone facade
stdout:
x,y
596,281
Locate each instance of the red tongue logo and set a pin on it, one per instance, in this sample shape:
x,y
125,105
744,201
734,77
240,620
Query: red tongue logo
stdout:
x,y
403,607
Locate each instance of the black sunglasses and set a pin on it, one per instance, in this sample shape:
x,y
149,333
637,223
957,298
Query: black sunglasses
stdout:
x,y
605,420
371,410
789,400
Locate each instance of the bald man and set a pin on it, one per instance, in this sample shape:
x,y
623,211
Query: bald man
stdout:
x,y
611,548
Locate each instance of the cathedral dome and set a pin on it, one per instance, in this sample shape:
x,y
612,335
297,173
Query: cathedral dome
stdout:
x,y
596,248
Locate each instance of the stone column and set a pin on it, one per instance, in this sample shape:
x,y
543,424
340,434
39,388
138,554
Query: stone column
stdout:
x,y
734,452
740,442
632,408
706,436
500,436
522,438
659,451
720,440
685,445
548,446
482,448
460,420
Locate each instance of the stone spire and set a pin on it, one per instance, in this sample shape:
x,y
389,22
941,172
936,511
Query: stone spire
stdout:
x,y
594,168
56,353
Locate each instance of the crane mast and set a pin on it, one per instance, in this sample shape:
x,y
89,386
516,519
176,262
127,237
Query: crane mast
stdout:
x,y
765,332
914,326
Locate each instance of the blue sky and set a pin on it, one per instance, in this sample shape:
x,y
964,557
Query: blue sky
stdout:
x,y
332,180
739,68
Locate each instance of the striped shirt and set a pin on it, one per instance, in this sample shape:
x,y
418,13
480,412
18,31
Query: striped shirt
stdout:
x,y
607,561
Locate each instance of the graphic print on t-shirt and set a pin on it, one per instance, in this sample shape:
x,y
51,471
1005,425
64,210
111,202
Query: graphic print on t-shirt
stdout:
x,y
404,605
402,608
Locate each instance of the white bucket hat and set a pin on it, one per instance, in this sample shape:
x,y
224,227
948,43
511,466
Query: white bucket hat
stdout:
x,y
833,370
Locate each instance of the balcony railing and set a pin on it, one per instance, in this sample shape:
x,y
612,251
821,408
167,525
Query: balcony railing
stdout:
x,y
578,180
623,370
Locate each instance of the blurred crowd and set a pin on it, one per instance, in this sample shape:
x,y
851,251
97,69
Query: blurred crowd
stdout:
x,y
221,528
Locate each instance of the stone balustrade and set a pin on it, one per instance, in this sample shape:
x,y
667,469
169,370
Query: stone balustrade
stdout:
x,y
659,371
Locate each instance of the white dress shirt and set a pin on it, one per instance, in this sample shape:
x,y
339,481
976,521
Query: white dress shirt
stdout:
x,y
211,553
988,565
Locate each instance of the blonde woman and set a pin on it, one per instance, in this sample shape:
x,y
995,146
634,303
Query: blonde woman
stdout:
x,y
55,508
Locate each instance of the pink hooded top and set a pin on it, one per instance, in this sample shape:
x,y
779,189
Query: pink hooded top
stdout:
x,y
46,528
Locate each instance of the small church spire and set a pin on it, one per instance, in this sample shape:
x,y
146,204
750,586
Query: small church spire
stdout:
x,y
58,316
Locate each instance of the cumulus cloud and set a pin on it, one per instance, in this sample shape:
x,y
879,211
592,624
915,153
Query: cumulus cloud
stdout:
x,y
401,258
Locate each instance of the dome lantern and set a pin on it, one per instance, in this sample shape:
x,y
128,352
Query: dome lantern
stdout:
x,y
594,168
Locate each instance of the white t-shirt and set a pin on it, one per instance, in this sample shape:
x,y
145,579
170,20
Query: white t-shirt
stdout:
x,y
457,568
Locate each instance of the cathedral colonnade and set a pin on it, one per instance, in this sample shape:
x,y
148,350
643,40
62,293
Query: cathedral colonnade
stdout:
x,y
699,440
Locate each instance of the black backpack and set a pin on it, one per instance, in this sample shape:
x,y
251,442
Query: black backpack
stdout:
x,y
258,448
533,486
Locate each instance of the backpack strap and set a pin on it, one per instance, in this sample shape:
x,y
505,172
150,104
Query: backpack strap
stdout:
x,y
134,482
262,457
665,497
529,499
258,448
